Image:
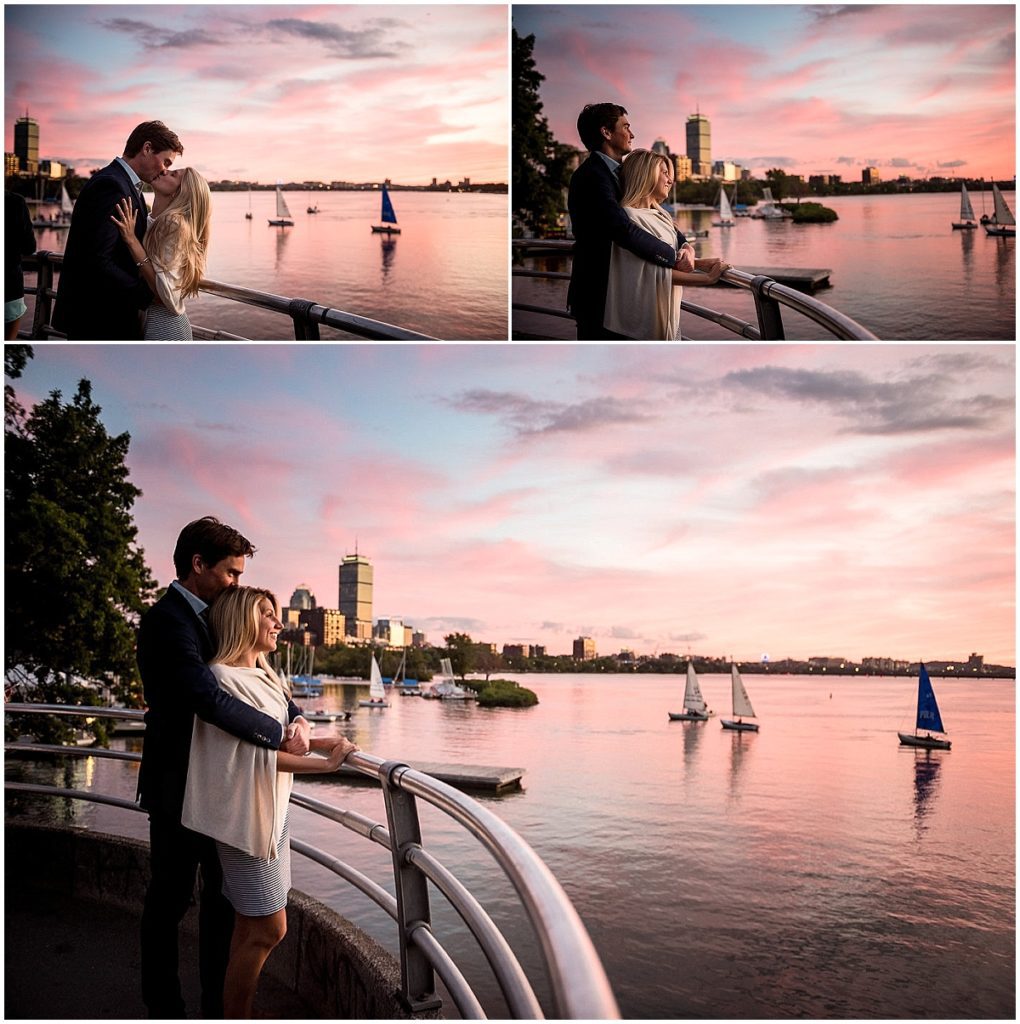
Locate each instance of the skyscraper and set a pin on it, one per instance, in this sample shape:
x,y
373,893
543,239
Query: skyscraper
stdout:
x,y
302,598
699,145
356,596
26,144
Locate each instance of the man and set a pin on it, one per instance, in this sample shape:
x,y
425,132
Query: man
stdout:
x,y
101,292
598,220
173,647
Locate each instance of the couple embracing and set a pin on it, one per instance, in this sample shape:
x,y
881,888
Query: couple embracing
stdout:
x,y
126,272
630,262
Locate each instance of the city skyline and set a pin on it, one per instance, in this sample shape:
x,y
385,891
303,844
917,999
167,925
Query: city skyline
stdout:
x,y
793,501
341,93
920,90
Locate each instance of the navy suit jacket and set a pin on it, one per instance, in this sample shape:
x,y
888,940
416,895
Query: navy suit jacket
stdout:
x,y
173,647
100,290
598,220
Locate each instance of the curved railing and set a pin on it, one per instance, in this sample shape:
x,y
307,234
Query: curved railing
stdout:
x,y
306,316
770,297
580,989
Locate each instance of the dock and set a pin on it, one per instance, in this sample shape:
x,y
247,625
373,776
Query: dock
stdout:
x,y
461,776
804,279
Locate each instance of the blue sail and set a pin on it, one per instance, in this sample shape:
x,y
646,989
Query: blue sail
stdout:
x,y
928,716
388,216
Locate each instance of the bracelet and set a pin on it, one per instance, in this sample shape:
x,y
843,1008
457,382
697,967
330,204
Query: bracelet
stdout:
x,y
146,260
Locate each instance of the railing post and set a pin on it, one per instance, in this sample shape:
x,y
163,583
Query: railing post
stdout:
x,y
305,328
413,911
43,304
770,315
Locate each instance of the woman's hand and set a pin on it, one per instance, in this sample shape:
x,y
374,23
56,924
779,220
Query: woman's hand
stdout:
x,y
338,754
126,220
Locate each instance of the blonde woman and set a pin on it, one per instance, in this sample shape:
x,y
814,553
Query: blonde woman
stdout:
x,y
643,300
239,794
172,260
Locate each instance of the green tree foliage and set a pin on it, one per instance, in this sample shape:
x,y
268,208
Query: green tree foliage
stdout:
x,y
540,163
76,582
460,649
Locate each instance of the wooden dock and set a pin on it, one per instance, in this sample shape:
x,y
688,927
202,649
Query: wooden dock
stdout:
x,y
462,776
804,279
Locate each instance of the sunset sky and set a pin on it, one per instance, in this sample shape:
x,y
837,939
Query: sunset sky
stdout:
x,y
320,93
920,90
720,500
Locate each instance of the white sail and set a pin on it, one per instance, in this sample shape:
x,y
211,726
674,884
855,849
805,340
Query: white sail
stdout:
x,y
1002,211
693,701
725,212
281,204
741,702
375,689
966,210
66,206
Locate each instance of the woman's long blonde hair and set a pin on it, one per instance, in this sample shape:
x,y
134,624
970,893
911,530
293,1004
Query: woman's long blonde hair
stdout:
x,y
234,620
180,234
638,176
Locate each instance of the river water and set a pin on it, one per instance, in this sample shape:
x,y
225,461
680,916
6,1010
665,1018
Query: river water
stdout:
x,y
445,275
817,869
898,268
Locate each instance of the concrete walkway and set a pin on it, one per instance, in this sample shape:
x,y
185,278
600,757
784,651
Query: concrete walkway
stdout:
x,y
69,959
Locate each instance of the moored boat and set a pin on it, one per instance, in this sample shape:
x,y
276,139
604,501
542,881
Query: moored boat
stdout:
x,y
283,218
928,720
967,219
376,693
388,216
1003,222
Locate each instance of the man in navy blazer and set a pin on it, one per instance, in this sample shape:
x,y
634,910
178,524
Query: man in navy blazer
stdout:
x,y
593,200
101,293
174,646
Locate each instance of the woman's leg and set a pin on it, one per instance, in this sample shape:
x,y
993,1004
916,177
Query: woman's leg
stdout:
x,y
254,939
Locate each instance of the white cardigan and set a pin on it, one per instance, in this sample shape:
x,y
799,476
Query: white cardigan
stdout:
x,y
234,792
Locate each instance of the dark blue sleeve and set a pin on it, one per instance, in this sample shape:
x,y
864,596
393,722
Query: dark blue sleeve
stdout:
x,y
171,647
293,711
622,230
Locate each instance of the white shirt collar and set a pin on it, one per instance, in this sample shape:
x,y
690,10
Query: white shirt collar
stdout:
x,y
135,180
196,602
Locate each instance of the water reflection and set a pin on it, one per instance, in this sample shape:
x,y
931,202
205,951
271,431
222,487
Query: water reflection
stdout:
x,y
388,249
740,748
692,739
280,248
926,786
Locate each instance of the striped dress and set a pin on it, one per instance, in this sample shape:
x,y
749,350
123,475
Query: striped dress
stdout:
x,y
256,887
162,324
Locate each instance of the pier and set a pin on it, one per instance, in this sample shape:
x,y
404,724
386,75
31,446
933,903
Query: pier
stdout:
x,y
462,776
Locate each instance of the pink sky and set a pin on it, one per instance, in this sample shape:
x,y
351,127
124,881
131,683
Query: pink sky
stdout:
x,y
733,500
260,92
914,89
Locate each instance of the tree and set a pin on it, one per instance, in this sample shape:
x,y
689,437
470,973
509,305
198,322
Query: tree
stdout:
x,y
461,649
540,163
778,181
76,581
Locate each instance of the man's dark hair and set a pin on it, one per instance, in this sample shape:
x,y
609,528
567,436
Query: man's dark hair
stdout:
x,y
212,541
157,134
593,119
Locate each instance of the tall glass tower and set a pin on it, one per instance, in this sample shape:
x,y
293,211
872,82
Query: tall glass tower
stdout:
x,y
699,145
26,144
356,596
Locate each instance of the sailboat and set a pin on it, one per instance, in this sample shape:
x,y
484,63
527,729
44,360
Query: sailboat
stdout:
x,y
741,706
376,693
282,213
388,216
695,709
1002,222
446,688
767,209
966,210
725,212
247,216
928,718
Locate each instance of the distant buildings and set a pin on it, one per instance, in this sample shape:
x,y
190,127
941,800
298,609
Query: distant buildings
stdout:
x,y
328,625
302,598
584,649
870,176
356,596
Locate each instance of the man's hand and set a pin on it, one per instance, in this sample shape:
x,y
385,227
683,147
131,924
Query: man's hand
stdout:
x,y
297,738
685,258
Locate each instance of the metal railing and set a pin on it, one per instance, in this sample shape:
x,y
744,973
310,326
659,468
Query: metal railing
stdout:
x,y
577,979
769,299
306,316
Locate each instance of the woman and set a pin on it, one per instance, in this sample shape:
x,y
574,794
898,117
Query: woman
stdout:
x,y
239,793
172,261
643,299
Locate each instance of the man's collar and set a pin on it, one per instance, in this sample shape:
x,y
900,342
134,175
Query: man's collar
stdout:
x,y
613,165
132,174
193,599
